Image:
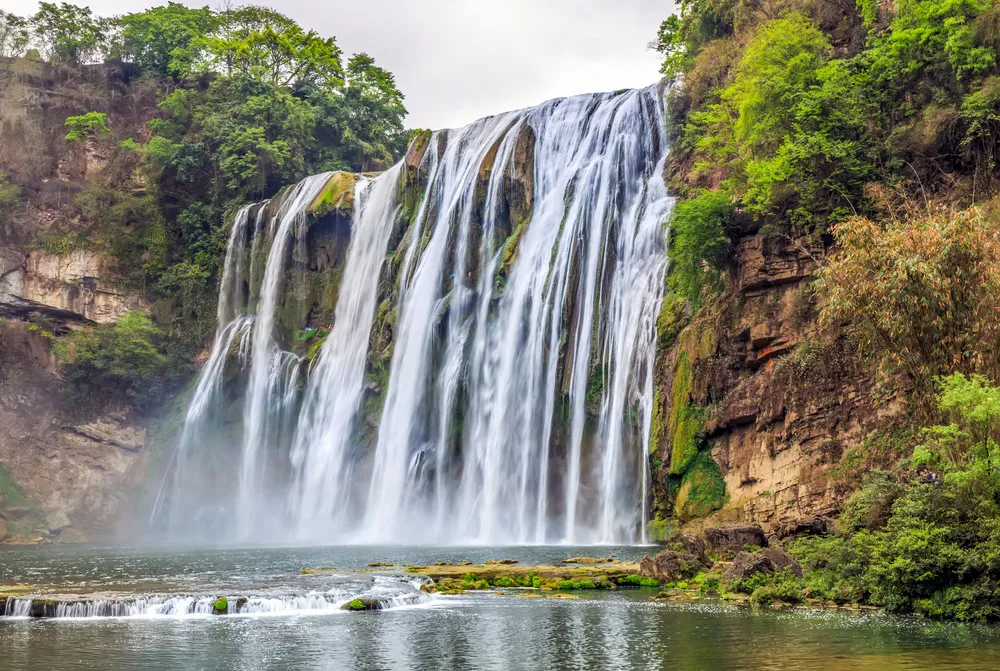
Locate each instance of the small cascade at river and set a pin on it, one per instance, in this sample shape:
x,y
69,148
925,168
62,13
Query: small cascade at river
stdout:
x,y
457,350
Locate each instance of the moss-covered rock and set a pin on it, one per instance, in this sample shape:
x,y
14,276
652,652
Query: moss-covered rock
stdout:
x,y
337,195
685,421
362,604
702,490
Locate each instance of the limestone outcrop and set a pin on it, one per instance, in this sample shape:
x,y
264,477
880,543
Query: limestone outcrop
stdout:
x,y
73,286
779,399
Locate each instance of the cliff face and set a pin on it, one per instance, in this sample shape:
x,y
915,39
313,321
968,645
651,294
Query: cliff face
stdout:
x,y
61,478
781,398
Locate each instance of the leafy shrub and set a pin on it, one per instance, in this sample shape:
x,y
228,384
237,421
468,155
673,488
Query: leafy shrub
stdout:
x,y
699,245
871,507
86,126
127,227
119,361
10,199
638,581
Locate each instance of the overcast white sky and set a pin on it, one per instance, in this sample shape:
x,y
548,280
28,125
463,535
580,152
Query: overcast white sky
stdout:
x,y
458,60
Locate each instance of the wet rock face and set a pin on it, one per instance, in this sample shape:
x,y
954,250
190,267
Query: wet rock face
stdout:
x,y
60,479
783,397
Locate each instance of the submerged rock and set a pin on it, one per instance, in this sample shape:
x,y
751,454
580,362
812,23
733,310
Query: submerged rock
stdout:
x,y
361,604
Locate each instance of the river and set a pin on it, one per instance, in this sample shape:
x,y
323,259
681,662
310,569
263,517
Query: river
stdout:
x,y
292,628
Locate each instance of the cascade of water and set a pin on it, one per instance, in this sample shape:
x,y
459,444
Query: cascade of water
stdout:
x,y
271,368
395,481
518,405
321,449
231,325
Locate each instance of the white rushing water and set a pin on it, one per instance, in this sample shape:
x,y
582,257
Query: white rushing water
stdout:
x,y
518,403
382,592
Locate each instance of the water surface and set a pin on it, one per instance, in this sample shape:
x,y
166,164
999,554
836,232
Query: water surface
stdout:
x,y
614,630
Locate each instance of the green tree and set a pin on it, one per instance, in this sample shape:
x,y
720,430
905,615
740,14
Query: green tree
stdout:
x,y
168,41
15,35
122,360
922,295
68,33
261,44
363,126
86,126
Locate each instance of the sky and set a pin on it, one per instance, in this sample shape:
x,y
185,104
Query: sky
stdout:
x,y
459,60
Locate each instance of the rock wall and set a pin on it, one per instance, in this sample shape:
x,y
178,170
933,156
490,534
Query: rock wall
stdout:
x,y
75,286
779,398
59,479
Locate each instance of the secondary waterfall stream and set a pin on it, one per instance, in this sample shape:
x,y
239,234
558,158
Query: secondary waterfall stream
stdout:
x,y
517,266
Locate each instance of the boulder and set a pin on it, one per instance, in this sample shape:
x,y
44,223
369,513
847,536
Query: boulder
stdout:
x,y
362,604
671,566
728,540
747,564
767,561
694,545
814,525
782,560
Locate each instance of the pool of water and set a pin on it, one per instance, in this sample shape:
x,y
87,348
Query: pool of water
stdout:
x,y
623,629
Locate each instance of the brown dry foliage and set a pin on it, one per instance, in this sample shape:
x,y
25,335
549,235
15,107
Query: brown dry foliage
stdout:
x,y
922,296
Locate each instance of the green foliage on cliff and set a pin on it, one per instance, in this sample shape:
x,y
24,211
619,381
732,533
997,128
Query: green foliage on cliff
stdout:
x,y
806,112
123,361
921,293
86,126
926,538
15,35
10,199
248,101
129,228
68,34
699,246
166,41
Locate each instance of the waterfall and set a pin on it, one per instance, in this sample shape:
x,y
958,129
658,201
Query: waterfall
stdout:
x,y
487,375
271,380
321,447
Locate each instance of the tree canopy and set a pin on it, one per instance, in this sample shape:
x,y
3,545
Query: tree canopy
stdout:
x,y
248,101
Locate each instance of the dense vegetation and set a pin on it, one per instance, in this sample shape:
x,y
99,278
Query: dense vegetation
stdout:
x,y
248,101
799,114
924,538
873,129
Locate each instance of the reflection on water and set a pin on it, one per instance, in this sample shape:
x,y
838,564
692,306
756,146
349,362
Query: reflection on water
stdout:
x,y
619,630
